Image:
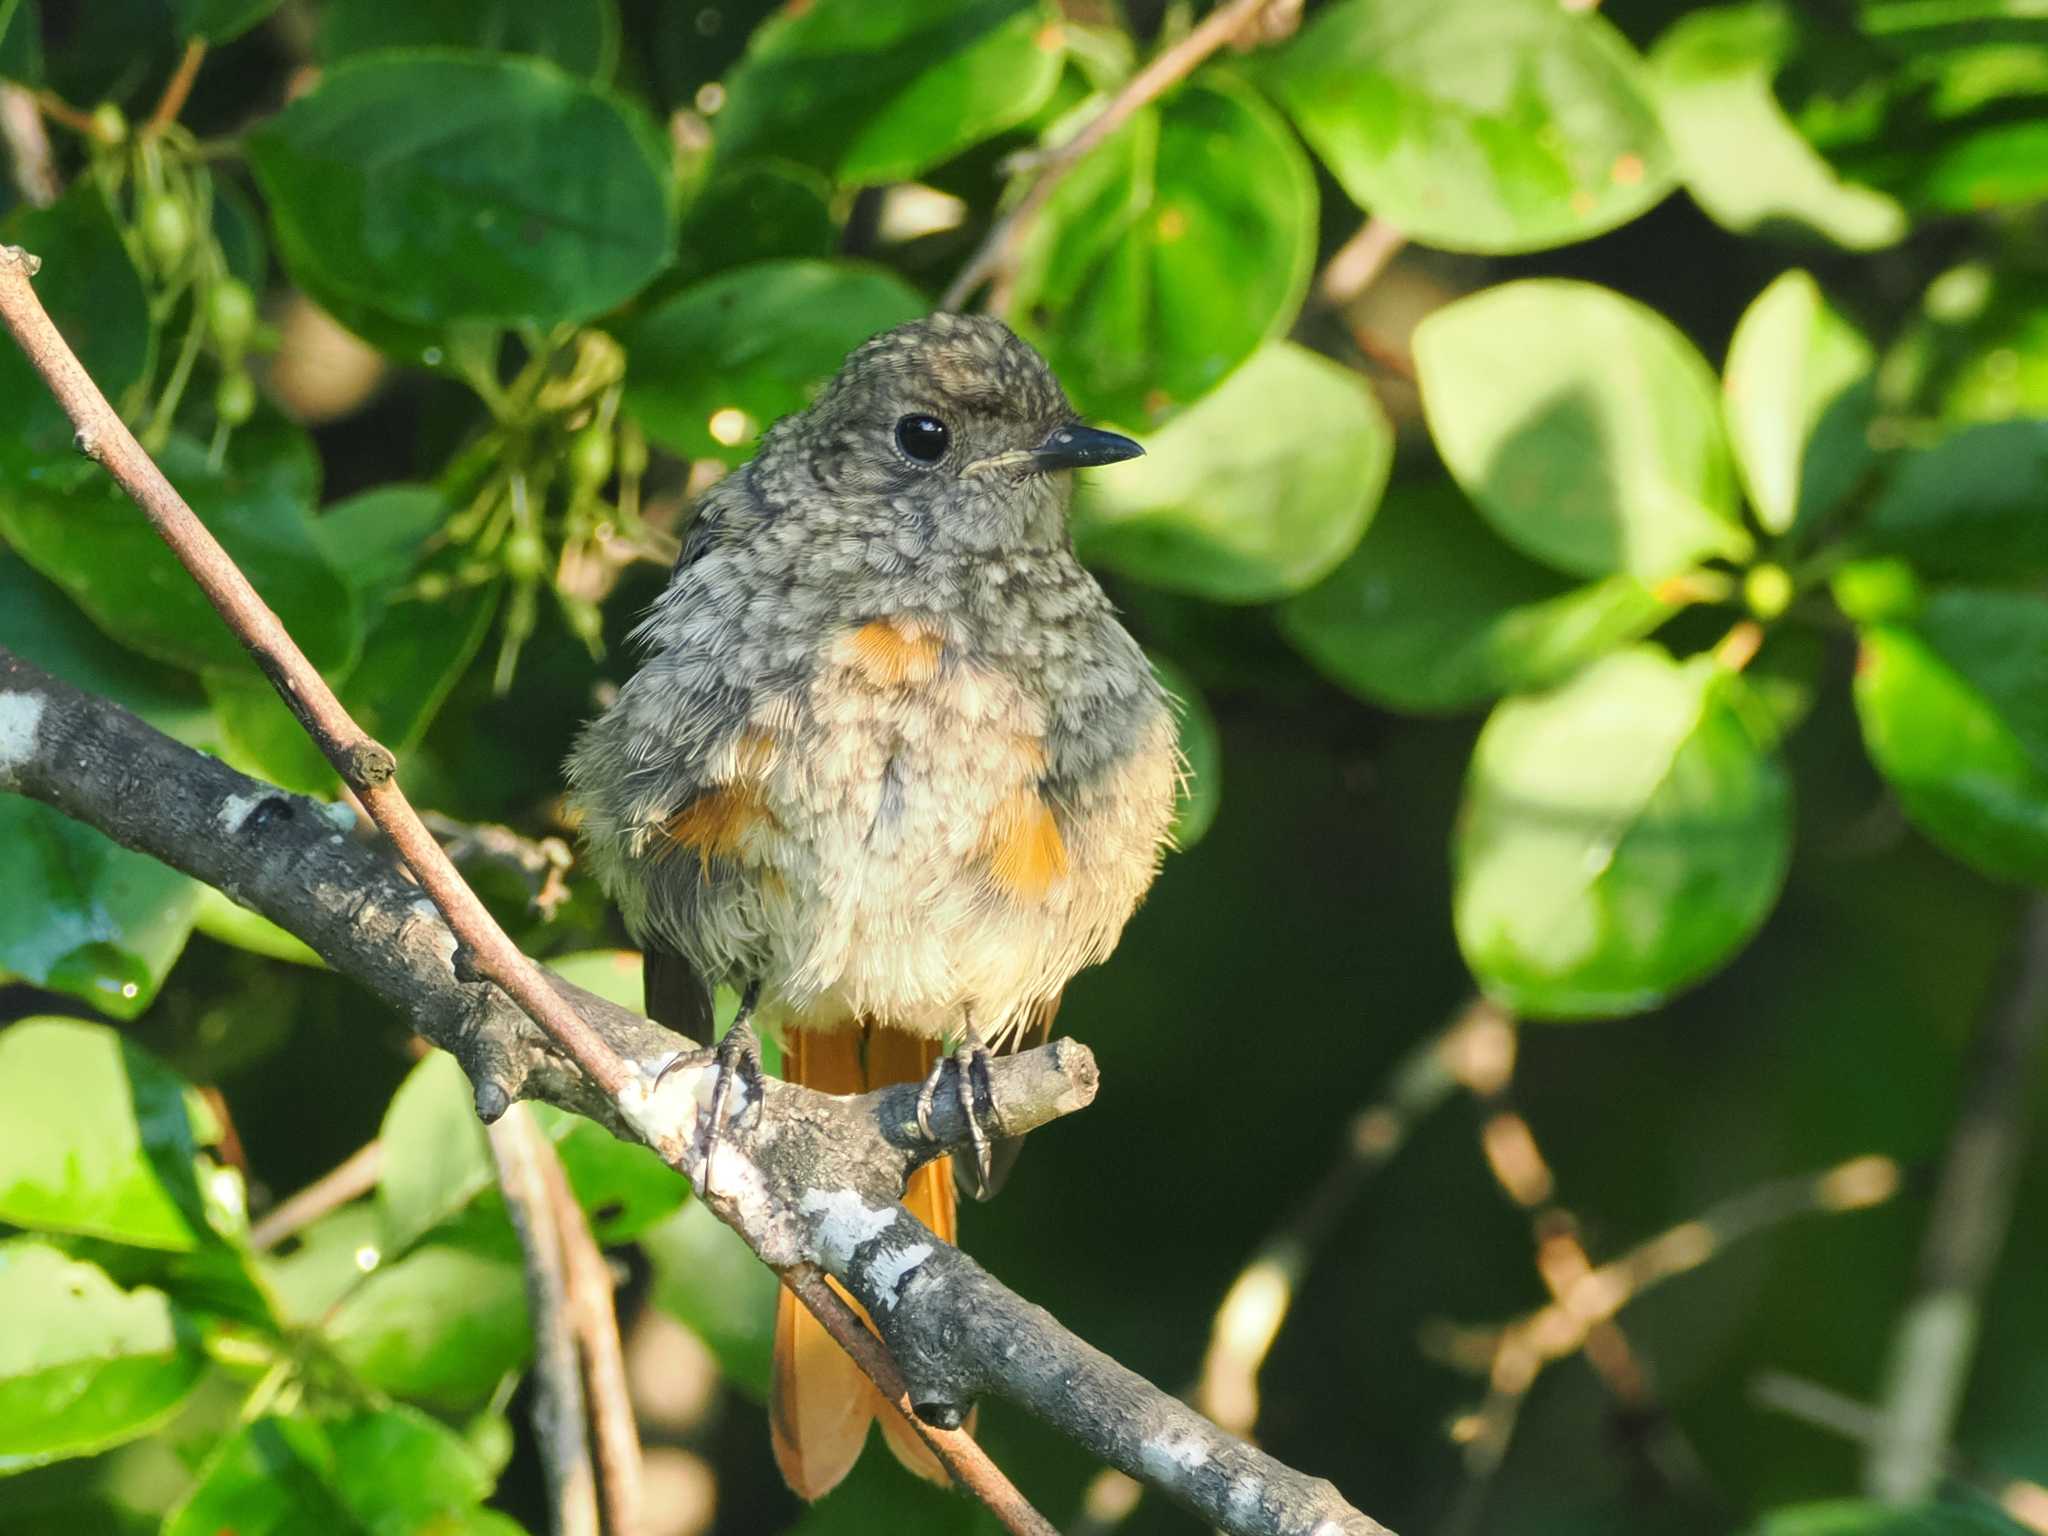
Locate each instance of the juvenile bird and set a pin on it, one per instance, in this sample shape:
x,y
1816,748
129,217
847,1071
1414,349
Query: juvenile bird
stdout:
x,y
891,768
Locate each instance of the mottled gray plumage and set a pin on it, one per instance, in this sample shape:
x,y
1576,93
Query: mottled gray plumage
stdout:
x,y
890,753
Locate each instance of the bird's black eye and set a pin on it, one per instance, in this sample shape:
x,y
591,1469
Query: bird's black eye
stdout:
x,y
923,438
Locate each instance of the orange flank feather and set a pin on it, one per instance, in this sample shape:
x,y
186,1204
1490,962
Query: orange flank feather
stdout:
x,y
821,1403
1025,850
714,824
889,653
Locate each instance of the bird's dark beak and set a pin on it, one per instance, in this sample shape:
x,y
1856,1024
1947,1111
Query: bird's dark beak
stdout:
x,y
1077,447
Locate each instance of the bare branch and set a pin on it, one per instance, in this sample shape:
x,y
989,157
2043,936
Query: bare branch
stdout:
x,y
998,252
1357,264
1937,1336
353,1177
28,145
594,1321
518,1147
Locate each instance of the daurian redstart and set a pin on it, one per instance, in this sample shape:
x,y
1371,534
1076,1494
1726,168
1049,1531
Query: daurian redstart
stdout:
x,y
891,765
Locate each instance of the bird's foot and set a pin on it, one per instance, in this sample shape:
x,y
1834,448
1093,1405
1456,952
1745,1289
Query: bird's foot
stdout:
x,y
737,1059
972,1088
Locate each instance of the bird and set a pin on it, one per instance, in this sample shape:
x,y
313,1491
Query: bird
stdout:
x,y
890,767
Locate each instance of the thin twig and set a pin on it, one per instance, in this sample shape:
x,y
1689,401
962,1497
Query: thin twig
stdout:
x,y
594,1319
28,146
1937,1335
1166,69
172,102
366,766
2023,1500
518,1147
1357,264
355,1176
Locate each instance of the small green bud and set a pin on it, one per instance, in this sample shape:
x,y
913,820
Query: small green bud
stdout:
x,y
109,124
166,230
1768,590
231,316
526,555
590,457
234,398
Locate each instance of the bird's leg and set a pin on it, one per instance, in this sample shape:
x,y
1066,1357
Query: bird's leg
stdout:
x,y
972,1085
737,1055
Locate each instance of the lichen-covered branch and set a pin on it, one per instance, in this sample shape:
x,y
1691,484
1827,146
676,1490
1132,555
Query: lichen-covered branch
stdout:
x,y
812,1182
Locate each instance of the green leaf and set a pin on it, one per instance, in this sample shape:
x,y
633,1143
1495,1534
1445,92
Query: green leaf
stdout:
x,y
86,917
221,919
762,210
389,1473
436,1157
262,738
1432,613
79,529
96,1138
1169,253
1478,125
441,1326
613,974
622,1186
1974,504
1859,1517
83,1364
21,42
1939,104
1798,396
218,21
439,187
1620,839
96,299
707,1278
1978,351
1584,426
582,36
1242,513
1741,157
933,77
1200,793
756,342
1955,715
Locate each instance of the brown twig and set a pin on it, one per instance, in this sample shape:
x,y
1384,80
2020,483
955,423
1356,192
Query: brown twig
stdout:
x,y
594,1320
519,1148
1936,1336
58,110
28,145
366,766
177,89
355,1176
1166,69
1357,264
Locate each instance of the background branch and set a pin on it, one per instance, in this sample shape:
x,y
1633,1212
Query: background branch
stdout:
x,y
1937,1335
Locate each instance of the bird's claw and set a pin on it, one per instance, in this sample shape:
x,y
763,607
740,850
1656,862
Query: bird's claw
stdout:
x,y
972,1087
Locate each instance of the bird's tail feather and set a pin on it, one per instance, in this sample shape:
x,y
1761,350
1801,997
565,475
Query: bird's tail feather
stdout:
x,y
821,1403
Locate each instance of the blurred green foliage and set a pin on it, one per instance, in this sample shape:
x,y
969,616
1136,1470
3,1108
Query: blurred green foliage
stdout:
x,y
1628,605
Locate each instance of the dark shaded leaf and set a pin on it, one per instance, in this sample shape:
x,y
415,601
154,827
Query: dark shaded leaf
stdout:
x,y
582,36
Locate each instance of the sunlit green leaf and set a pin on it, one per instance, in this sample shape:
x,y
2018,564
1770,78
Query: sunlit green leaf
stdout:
x,y
1431,612
1798,397
707,1278
1478,125
1978,350
436,1157
711,368
1252,493
441,1326
83,1364
1861,1517
580,35
439,187
1955,716
383,1473
96,1137
1585,427
1168,254
933,77
1621,838
1741,157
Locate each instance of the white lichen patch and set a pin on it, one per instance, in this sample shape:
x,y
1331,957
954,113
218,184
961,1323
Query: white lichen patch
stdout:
x,y
234,811
888,1270
338,816
1172,1456
841,1221
21,714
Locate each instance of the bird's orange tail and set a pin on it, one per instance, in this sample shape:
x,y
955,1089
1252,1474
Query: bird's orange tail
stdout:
x,y
821,1403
